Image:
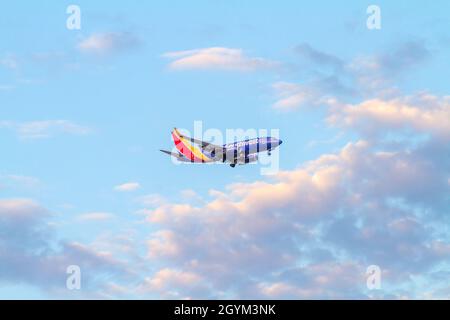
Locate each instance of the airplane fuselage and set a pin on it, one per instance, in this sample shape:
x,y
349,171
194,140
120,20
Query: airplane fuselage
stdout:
x,y
251,146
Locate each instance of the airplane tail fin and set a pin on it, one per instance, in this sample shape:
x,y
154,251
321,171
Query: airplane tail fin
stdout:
x,y
181,144
176,135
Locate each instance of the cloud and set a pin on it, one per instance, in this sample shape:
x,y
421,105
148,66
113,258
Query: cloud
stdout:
x,y
173,283
292,96
19,181
217,58
96,216
377,73
163,244
318,57
389,114
311,232
44,129
167,279
421,113
127,187
17,210
308,232
108,43
151,200
333,79
405,56
30,254
9,62
327,280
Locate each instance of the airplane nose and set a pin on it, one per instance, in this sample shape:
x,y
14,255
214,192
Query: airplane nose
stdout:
x,y
275,142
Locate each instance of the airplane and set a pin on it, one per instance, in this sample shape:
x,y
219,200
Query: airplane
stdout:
x,y
237,153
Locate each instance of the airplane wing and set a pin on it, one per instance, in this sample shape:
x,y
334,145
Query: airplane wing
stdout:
x,y
217,150
178,156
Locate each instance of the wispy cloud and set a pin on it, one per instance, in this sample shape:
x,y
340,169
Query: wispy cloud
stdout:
x,y
96,216
318,57
333,78
291,96
108,43
376,73
20,181
29,255
44,129
166,279
9,62
128,187
217,58
151,200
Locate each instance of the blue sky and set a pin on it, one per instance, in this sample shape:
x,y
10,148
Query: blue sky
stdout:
x,y
364,168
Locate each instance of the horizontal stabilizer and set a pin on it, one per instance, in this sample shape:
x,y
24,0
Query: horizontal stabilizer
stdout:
x,y
179,156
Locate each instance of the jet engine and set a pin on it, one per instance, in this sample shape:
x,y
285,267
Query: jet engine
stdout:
x,y
247,159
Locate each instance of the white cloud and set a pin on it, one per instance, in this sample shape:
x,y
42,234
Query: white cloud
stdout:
x,y
31,255
127,187
289,233
291,96
20,181
328,280
376,72
108,43
309,232
421,113
44,129
96,216
362,77
171,283
20,209
217,58
9,62
163,244
151,200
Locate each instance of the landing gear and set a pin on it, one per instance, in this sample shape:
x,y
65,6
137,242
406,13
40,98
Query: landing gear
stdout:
x,y
269,153
233,165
